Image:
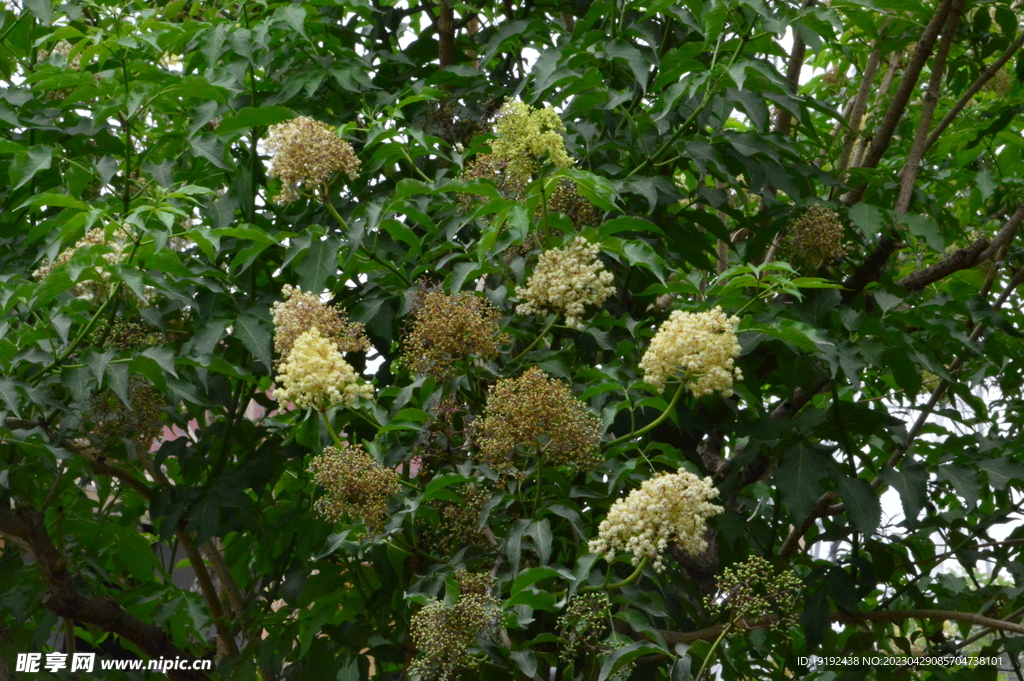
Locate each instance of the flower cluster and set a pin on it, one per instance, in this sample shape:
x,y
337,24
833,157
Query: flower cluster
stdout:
x,y
314,375
307,154
447,329
140,421
300,312
357,486
458,521
526,137
443,633
815,237
538,416
670,507
63,48
752,592
567,280
117,244
583,625
701,345
565,198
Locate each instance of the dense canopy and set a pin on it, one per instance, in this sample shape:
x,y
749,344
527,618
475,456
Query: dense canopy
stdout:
x,y
361,339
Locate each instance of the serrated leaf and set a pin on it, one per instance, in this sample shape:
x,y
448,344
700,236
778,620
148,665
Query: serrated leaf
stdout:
x,y
801,479
964,481
1002,471
321,261
910,483
117,379
255,335
862,506
868,218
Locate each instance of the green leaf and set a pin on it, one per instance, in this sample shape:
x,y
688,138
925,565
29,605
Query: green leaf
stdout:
x,y
623,656
27,166
255,335
862,506
321,262
58,200
911,484
925,227
251,117
870,219
1002,471
801,479
964,481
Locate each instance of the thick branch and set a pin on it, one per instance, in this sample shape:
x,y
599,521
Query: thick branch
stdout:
x,y
964,258
860,102
445,33
27,524
931,98
886,129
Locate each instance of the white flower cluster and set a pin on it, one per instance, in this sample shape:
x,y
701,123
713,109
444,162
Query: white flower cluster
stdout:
x,y
668,507
315,375
565,280
702,345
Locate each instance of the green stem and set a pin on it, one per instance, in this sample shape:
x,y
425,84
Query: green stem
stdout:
x,y
330,429
370,254
625,582
536,340
707,658
544,212
80,337
415,167
540,479
655,422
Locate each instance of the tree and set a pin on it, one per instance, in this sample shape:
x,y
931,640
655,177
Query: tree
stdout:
x,y
509,340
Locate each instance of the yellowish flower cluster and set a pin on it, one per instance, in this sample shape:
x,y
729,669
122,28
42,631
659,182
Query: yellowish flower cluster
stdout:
x,y
443,633
525,138
701,345
447,329
307,154
357,486
119,244
300,312
815,237
670,507
536,416
315,376
566,280
110,420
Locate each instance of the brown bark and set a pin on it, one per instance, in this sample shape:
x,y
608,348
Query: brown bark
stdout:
x,y
931,98
445,33
27,525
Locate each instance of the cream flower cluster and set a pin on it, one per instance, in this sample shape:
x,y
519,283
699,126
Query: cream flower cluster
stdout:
x,y
701,345
566,280
314,375
525,137
309,154
671,507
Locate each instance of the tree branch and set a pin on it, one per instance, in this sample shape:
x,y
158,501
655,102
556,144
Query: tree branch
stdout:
x,y
886,129
27,524
931,98
964,258
974,89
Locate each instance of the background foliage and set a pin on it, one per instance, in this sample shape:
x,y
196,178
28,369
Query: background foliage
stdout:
x,y
701,131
